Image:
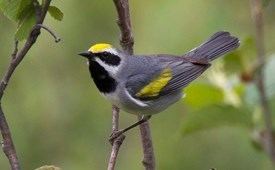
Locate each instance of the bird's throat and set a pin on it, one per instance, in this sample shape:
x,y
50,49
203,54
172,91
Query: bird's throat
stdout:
x,y
104,82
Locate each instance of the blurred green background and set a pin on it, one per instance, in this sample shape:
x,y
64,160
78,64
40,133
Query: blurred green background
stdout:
x,y
57,116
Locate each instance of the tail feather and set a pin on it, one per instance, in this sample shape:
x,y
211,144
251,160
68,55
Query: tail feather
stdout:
x,y
217,45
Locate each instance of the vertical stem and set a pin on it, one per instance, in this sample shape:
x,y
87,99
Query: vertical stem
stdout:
x,y
124,23
115,118
118,141
257,14
127,42
7,144
148,150
16,58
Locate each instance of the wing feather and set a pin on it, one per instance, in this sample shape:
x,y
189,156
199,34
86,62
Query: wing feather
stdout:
x,y
183,73
149,83
175,76
156,85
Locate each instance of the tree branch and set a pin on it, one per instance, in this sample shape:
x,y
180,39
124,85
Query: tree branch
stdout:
x,y
127,42
13,55
257,15
118,141
16,58
148,150
124,23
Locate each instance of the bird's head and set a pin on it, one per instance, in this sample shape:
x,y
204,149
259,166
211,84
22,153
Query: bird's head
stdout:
x,y
105,55
103,52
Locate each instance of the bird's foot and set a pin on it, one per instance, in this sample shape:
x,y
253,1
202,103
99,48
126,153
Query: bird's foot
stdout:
x,y
115,135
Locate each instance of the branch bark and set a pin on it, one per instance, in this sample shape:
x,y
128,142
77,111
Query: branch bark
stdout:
x,y
16,58
124,24
148,150
118,141
127,42
257,15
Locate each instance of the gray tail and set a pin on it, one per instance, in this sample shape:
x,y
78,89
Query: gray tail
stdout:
x,y
217,45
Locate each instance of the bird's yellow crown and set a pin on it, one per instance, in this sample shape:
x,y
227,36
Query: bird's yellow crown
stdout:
x,y
99,47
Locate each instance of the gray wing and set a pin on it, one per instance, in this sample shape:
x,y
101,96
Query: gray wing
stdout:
x,y
140,74
184,72
184,69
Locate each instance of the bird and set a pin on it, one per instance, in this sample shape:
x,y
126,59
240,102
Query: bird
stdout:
x,y
148,84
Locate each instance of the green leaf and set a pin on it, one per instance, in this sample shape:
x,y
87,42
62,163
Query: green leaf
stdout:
x,y
15,10
24,9
10,8
56,13
22,12
203,94
214,117
25,26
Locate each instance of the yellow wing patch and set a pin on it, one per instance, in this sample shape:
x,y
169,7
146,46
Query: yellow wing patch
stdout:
x,y
99,47
153,89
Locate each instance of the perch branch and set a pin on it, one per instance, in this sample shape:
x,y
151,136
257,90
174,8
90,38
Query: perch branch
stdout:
x,y
16,58
118,141
127,42
257,15
148,150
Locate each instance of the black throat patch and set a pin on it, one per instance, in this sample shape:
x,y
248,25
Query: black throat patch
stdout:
x,y
103,81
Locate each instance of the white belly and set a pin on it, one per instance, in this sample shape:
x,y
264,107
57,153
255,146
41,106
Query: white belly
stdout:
x,y
113,98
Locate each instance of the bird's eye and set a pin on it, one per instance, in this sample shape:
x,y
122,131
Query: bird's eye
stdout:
x,y
106,54
109,58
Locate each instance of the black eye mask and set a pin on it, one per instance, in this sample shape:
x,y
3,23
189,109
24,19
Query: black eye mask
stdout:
x,y
109,58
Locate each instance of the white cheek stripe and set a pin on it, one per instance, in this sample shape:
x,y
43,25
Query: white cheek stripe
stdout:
x,y
110,69
135,100
112,51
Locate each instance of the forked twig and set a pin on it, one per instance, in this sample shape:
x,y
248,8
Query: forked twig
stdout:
x,y
16,58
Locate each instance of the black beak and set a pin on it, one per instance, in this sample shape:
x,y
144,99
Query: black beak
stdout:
x,y
85,54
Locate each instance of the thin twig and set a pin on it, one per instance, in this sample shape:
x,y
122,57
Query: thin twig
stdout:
x,y
148,150
56,38
124,23
7,143
127,42
127,47
17,57
13,55
118,141
257,14
115,119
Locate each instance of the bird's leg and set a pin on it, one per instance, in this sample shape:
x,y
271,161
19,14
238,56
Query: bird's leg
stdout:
x,y
116,134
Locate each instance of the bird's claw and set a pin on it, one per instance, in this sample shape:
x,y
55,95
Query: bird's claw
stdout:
x,y
115,135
